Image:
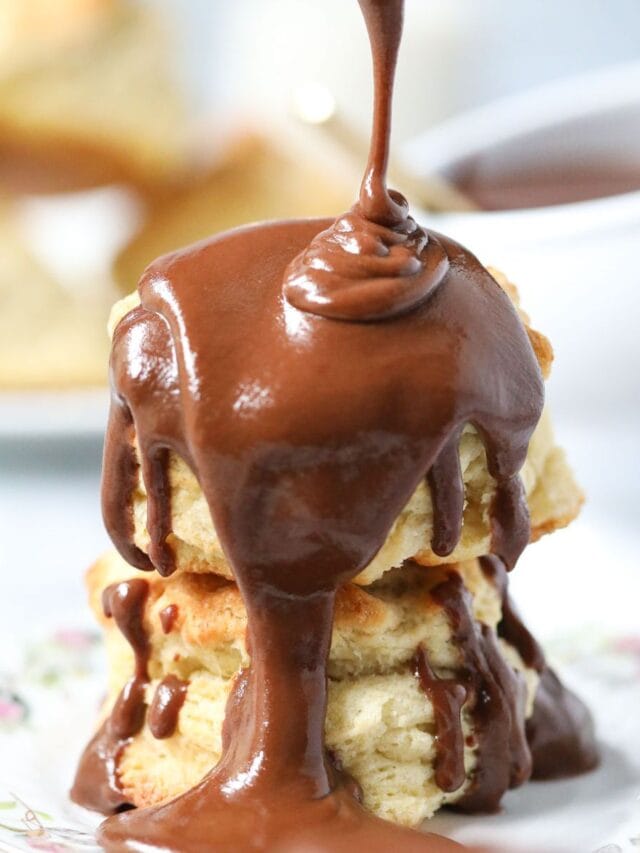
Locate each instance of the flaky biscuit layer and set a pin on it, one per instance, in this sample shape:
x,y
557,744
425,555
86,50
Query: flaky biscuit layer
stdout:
x,y
552,492
380,725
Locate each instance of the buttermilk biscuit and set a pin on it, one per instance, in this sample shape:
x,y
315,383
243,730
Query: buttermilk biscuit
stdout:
x,y
379,726
90,104
553,495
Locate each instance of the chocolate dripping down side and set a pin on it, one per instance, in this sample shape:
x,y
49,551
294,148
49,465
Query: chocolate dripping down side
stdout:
x,y
96,785
494,694
168,617
164,710
560,732
310,407
558,740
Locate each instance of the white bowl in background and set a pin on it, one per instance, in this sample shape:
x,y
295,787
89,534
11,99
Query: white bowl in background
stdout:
x,y
577,265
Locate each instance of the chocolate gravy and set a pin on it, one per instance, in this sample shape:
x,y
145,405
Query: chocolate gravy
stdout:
x,y
557,741
165,706
543,185
496,700
560,732
168,618
447,696
511,627
96,784
312,374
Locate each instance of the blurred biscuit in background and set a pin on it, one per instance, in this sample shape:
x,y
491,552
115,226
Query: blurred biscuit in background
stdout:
x,y
89,99
258,176
49,338
88,96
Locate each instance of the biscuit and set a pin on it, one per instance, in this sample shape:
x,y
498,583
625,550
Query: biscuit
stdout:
x,y
552,492
379,725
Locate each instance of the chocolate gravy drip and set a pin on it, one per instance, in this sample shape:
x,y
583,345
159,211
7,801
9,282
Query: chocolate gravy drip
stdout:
x,y
152,394
447,696
308,437
96,784
495,700
511,627
560,732
120,455
168,618
447,493
165,706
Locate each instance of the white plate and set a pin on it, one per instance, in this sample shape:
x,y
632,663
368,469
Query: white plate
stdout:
x,y
61,682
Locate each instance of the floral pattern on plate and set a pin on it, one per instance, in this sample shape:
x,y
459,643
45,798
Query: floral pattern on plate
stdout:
x,y
48,708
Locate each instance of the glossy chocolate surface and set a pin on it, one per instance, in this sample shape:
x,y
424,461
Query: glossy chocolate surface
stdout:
x,y
312,374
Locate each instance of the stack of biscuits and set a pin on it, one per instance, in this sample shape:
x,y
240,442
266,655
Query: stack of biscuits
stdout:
x,y
396,634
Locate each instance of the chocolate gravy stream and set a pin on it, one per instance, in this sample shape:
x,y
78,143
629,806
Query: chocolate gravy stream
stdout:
x,y
511,627
309,430
374,262
96,784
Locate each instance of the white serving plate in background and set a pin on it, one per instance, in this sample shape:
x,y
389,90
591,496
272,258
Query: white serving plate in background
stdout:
x,y
577,266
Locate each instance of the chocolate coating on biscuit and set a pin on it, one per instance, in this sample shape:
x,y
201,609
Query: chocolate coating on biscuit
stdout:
x,y
168,616
164,710
96,784
560,732
312,374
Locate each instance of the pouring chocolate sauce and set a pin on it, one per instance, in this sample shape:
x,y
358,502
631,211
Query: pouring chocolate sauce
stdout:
x,y
311,373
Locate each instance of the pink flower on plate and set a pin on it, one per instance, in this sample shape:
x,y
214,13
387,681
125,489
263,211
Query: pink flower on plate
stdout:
x,y
74,638
12,709
39,843
627,645
47,845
